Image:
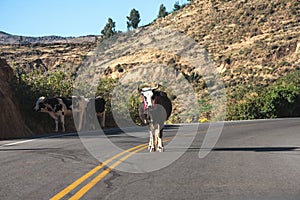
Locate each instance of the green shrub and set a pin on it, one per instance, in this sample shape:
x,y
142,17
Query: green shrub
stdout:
x,y
38,83
281,99
29,86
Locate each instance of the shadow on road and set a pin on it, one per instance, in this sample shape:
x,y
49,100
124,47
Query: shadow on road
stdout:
x,y
250,149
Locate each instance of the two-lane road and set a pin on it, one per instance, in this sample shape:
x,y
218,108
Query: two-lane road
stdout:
x,y
251,160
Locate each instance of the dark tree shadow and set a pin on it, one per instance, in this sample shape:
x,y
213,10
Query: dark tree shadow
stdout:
x,y
256,149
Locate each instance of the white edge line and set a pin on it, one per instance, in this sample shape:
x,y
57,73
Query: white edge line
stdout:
x,y
31,140
15,143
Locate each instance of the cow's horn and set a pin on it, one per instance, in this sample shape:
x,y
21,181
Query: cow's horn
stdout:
x,y
156,87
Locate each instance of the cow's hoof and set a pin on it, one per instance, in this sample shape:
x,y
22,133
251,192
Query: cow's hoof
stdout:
x,y
160,149
152,149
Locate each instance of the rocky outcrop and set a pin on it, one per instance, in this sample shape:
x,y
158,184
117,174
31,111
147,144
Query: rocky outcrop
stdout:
x,y
11,122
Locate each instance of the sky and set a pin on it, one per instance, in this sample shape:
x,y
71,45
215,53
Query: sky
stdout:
x,y
74,17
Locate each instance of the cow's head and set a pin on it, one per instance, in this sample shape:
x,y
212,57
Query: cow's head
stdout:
x,y
148,97
40,104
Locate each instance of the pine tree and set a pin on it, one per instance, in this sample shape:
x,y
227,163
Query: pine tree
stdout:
x,y
133,19
162,11
176,6
109,29
20,40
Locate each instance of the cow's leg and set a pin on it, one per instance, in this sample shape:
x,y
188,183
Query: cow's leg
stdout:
x,y
151,146
62,119
103,119
55,117
81,120
82,112
156,137
159,131
56,124
150,140
160,145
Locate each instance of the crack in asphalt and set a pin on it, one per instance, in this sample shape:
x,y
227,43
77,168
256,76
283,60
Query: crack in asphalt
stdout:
x,y
109,180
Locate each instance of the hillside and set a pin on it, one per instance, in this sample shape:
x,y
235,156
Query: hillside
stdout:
x,y
9,39
254,46
48,53
46,57
251,42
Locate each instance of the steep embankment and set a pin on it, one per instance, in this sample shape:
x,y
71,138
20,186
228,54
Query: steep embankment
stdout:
x,y
11,122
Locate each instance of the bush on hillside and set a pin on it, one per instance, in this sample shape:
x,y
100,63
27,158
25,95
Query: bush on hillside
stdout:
x,y
281,99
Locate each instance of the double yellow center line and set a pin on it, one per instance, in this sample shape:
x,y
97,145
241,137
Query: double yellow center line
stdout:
x,y
98,178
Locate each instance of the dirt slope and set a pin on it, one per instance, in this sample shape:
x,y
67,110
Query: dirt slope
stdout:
x,y
11,122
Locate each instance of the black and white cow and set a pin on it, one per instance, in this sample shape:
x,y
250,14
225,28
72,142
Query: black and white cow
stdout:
x,y
155,109
59,107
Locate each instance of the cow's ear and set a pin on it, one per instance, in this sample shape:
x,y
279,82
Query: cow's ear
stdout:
x,y
43,99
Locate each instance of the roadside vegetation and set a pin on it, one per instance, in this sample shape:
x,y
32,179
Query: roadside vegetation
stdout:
x,y
281,99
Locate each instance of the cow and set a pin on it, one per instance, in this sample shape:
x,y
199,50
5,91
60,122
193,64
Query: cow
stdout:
x,y
154,110
97,105
59,107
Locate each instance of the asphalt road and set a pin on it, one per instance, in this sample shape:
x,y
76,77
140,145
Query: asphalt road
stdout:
x,y
251,160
